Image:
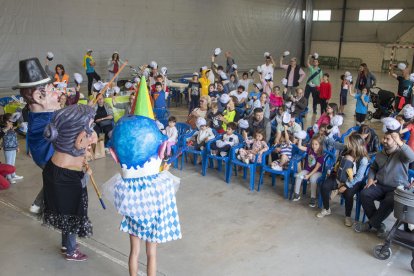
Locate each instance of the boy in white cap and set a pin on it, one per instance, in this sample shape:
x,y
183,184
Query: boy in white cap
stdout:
x,y
388,171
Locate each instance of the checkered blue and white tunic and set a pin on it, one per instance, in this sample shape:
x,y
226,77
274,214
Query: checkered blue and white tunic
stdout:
x,y
149,207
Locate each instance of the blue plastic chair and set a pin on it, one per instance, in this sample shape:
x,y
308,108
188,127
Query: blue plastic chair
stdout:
x,y
190,150
220,159
297,157
182,129
347,133
161,113
234,162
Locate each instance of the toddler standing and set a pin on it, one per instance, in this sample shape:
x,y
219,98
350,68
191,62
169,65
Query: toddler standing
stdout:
x,y
10,146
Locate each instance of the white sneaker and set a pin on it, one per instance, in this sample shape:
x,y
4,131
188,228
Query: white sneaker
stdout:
x,y
17,177
246,161
223,154
34,209
323,213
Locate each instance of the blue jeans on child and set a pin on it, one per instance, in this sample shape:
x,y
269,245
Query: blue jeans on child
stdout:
x,y
10,156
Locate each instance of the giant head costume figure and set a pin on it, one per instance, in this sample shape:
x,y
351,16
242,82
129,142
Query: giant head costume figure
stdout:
x,y
138,145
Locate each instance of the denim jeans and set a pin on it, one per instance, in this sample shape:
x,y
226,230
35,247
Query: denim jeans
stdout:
x,y
10,157
69,241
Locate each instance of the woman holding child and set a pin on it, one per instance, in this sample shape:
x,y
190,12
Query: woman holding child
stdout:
x,y
353,152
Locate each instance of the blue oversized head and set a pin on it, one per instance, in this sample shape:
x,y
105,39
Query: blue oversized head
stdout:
x,y
136,140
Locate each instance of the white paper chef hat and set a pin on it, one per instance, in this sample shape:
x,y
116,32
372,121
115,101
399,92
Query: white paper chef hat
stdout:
x,y
300,134
234,66
408,112
259,69
50,55
225,98
390,125
201,122
128,85
286,53
286,117
164,70
284,81
243,124
402,66
217,51
153,65
266,54
78,78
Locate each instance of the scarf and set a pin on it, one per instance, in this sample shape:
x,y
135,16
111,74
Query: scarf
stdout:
x,y
84,60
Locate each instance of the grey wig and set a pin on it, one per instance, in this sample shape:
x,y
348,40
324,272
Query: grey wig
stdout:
x,y
66,125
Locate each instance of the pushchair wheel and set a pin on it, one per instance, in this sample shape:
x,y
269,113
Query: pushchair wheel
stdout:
x,y
382,253
369,116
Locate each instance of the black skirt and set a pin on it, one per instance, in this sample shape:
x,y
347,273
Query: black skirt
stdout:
x,y
66,201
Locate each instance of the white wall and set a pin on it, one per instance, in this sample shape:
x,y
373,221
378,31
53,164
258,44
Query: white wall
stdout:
x,y
179,34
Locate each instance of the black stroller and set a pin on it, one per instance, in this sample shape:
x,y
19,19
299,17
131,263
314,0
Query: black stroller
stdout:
x,y
382,101
404,213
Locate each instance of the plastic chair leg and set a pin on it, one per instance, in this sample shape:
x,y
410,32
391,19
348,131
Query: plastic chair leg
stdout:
x,y
273,180
286,187
204,167
229,172
219,165
252,178
260,179
244,172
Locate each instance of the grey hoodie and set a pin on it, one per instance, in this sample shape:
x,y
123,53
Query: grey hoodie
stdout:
x,y
392,170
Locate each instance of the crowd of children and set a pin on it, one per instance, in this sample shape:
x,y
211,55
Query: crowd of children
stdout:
x,y
263,119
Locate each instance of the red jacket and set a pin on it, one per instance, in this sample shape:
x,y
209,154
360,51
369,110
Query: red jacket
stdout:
x,y
325,90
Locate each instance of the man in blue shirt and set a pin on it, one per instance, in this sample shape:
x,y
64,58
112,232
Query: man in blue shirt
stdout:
x,y
38,91
159,96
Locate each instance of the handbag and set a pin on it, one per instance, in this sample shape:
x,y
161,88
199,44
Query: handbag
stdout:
x,y
105,123
192,120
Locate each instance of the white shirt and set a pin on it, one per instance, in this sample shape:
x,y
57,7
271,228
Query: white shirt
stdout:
x,y
203,134
230,139
245,83
267,69
240,96
172,134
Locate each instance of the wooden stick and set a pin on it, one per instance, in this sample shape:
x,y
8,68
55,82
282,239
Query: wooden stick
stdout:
x,y
98,193
111,81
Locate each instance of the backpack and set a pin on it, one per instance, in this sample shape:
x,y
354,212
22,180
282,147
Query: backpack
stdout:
x,y
344,168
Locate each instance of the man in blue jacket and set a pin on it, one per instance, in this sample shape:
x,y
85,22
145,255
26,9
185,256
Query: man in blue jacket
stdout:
x,y
43,99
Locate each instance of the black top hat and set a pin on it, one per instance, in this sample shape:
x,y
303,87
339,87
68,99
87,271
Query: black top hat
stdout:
x,y
31,74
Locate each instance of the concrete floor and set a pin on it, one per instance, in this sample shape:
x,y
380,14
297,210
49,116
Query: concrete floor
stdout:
x,y
227,230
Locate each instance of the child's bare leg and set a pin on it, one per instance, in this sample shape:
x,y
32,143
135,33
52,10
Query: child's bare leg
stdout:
x,y
133,255
151,258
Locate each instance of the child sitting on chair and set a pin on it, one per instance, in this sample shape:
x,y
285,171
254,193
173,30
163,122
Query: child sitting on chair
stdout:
x,y
229,140
203,135
258,147
172,134
213,118
283,152
313,167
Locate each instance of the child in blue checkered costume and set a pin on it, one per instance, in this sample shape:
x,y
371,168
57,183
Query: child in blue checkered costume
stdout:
x,y
144,196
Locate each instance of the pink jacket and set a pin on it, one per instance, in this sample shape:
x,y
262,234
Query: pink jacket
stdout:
x,y
324,119
275,100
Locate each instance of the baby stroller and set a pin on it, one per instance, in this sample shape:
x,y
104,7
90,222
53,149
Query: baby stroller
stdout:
x,y
382,101
404,213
